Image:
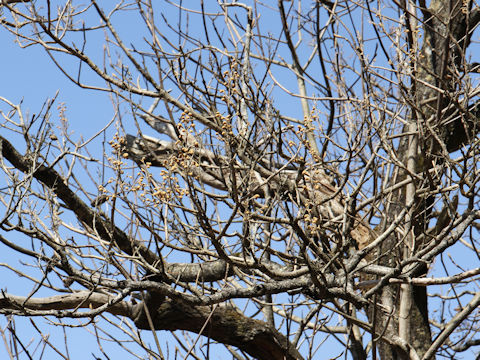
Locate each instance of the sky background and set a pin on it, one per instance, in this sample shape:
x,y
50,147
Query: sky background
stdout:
x,y
30,76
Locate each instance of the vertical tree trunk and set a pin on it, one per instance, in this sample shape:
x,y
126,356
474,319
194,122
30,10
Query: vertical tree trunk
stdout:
x,y
434,67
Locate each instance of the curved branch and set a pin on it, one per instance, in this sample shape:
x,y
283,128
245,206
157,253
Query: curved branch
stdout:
x,y
79,300
224,324
50,178
221,323
214,171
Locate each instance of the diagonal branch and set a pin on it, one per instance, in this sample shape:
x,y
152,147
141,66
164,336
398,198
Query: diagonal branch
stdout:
x,y
50,178
53,305
215,171
452,325
224,324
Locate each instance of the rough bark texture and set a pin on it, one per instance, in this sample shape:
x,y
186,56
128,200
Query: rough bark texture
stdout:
x,y
224,324
435,75
258,200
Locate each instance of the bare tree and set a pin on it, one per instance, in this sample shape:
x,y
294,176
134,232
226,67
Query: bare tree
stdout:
x,y
280,177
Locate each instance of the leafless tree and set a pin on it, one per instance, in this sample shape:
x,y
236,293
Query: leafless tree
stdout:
x,y
284,179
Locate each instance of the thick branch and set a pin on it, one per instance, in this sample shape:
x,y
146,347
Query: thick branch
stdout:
x,y
223,324
204,272
463,127
215,171
78,300
220,323
50,178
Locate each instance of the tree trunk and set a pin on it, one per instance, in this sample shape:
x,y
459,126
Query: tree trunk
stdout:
x,y
435,67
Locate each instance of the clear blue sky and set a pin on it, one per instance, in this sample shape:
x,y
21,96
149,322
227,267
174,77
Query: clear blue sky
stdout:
x,y
29,75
